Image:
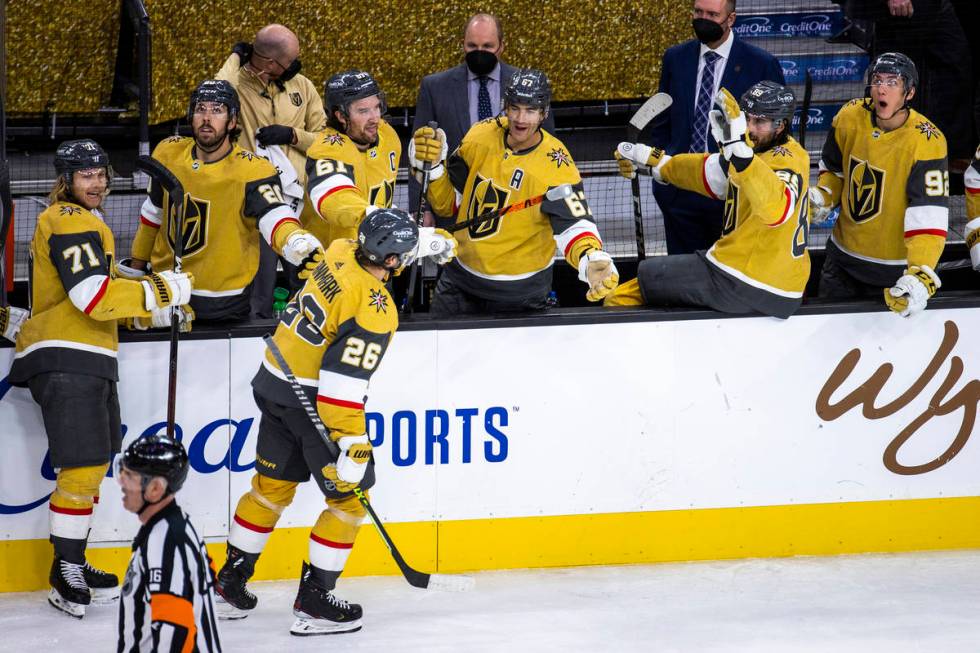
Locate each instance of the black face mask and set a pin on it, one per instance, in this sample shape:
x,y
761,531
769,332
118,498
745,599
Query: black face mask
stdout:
x,y
291,71
707,31
481,62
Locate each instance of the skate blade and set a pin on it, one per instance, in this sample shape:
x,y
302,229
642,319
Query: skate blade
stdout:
x,y
76,610
451,582
226,611
104,595
306,627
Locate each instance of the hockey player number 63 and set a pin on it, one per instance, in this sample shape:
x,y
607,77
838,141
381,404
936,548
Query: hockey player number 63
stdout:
x,y
361,354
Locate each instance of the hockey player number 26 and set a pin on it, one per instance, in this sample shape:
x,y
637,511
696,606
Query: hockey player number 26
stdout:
x,y
75,254
361,354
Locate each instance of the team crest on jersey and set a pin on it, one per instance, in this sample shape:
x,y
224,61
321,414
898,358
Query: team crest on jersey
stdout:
x,y
70,210
382,195
560,157
729,218
338,265
927,129
296,99
245,154
485,197
379,301
780,150
173,139
195,226
333,139
866,185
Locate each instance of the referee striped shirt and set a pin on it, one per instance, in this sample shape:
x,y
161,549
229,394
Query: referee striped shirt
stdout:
x,y
167,599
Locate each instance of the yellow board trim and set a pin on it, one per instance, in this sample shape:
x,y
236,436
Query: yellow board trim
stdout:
x,y
602,539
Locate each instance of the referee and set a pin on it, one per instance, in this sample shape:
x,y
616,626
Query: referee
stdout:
x,y
167,600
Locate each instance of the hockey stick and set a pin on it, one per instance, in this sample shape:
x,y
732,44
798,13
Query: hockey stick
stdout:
x,y
6,217
417,264
652,108
805,108
557,193
959,264
415,578
175,194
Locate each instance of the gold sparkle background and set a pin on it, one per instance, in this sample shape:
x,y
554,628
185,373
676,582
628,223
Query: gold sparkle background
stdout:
x,y
603,49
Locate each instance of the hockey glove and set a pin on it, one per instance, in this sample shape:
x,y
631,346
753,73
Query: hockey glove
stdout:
x,y
972,230
728,129
11,319
347,473
911,292
299,246
275,135
437,244
629,156
165,288
243,50
597,269
819,204
428,145
160,319
125,270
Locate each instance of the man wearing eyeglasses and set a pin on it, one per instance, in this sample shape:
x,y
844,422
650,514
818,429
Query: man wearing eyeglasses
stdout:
x,y
280,110
885,164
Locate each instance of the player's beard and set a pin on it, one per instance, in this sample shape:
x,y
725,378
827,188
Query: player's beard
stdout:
x,y
210,141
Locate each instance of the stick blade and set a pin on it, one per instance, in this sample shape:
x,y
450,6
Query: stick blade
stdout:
x,y
559,193
652,108
451,582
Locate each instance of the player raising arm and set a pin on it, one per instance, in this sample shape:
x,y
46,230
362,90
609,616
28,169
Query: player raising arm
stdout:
x,y
505,264
760,264
885,164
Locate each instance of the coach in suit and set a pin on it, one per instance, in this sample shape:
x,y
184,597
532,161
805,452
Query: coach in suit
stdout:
x,y
692,73
460,96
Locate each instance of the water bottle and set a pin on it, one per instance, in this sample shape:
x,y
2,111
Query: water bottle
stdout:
x,y
280,297
552,300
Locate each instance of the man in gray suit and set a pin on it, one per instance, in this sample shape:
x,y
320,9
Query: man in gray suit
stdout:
x,y
460,96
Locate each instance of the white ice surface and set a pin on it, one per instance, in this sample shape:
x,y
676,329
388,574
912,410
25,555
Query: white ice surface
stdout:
x,y
928,602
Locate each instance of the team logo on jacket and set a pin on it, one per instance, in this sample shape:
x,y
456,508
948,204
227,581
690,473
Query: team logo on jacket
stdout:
x,y
486,197
382,194
296,99
865,189
560,157
195,226
927,129
378,300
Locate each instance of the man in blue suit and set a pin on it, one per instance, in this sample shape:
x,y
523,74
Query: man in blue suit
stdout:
x,y
692,73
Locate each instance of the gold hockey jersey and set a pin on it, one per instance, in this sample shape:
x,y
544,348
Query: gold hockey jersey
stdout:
x,y
342,180
228,205
510,258
766,220
893,188
333,336
972,231
75,298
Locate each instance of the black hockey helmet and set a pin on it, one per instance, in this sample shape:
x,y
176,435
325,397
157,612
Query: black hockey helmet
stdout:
x,y
157,455
386,232
895,63
215,90
769,100
349,86
530,87
79,155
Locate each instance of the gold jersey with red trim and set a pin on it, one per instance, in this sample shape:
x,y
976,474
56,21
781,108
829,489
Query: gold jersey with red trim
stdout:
x,y
342,180
333,336
76,300
892,187
971,179
228,205
510,258
766,219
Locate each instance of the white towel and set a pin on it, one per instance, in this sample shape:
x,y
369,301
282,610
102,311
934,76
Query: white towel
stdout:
x,y
291,187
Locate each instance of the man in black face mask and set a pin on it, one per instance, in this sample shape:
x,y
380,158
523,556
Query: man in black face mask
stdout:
x,y
692,73
460,96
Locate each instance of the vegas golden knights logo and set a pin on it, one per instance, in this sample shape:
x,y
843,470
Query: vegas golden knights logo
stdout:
x,y
195,226
382,195
730,215
485,198
866,184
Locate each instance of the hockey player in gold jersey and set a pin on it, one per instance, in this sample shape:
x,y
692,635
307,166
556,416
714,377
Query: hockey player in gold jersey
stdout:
x,y
972,182
232,198
760,264
333,336
66,355
885,164
351,166
504,265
